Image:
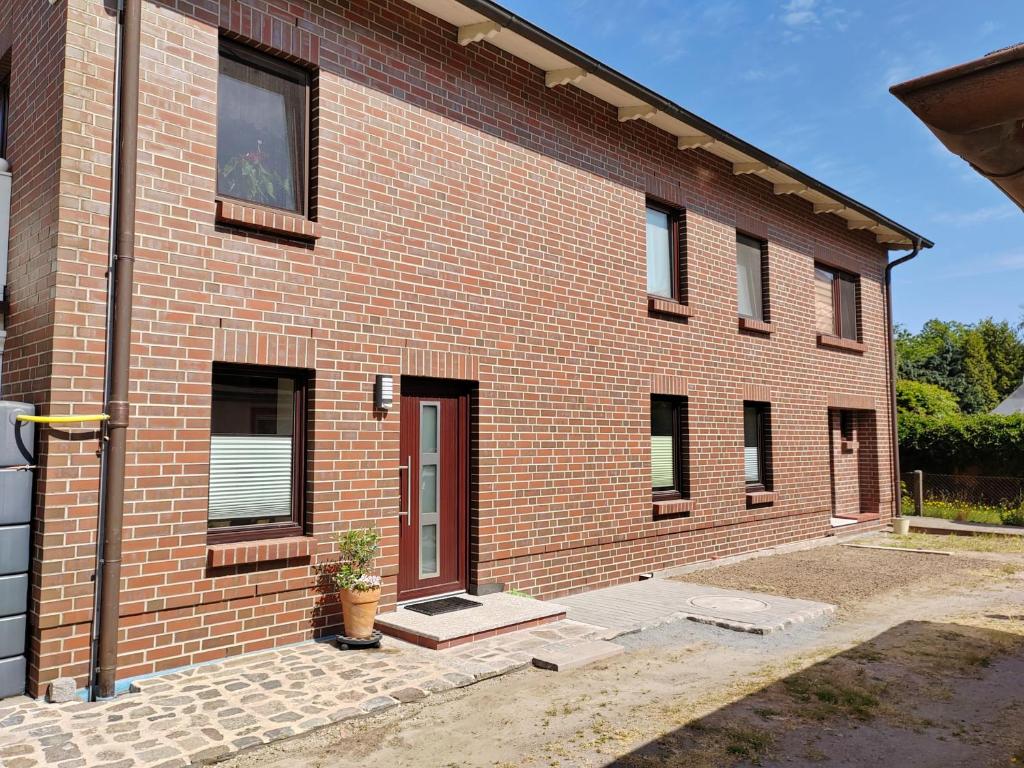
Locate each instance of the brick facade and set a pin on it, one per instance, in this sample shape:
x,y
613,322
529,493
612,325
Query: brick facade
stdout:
x,y
469,223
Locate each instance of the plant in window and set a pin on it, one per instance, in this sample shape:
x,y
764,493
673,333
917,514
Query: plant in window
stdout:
x,y
358,586
249,177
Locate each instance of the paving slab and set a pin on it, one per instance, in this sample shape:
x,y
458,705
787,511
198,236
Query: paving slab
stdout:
x,y
644,604
205,713
938,525
495,611
561,657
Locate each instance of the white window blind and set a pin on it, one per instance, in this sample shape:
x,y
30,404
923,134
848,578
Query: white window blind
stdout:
x,y
751,465
659,254
250,476
824,308
748,276
662,474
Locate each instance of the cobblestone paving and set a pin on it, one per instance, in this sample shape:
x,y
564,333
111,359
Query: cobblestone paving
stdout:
x,y
204,713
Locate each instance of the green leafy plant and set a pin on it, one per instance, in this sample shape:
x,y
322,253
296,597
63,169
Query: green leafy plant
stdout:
x,y
1012,515
357,549
247,177
982,443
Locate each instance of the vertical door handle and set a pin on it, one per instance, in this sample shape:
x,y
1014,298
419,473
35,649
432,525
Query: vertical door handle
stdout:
x,y
407,496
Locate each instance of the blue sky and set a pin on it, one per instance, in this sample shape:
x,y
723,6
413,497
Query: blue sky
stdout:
x,y
807,80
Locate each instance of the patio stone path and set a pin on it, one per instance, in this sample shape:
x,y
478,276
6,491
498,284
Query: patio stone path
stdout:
x,y
205,713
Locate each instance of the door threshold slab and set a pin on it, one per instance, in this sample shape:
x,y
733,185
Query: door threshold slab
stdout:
x,y
498,614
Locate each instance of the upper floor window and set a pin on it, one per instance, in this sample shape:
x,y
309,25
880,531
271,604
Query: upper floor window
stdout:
x,y
669,448
835,302
257,451
750,277
262,129
664,268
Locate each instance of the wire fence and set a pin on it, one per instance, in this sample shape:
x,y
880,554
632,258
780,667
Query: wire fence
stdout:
x,y
1003,492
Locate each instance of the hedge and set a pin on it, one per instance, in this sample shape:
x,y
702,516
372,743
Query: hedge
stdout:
x,y
925,399
978,444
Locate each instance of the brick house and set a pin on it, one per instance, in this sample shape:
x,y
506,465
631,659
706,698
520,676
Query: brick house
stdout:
x,y
619,339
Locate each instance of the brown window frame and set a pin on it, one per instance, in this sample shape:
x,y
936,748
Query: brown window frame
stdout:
x,y
676,221
762,246
680,449
296,525
839,275
763,445
250,57
5,106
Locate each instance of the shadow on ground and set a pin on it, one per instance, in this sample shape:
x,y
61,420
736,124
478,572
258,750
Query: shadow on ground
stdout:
x,y
920,695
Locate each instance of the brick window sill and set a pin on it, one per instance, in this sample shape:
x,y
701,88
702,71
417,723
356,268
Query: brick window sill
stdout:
x,y
662,306
761,498
673,507
756,326
265,551
266,220
837,342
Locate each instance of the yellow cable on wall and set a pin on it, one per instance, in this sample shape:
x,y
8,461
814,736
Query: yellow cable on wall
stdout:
x,y
62,419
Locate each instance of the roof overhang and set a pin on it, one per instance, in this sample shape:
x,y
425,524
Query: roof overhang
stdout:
x,y
565,66
977,111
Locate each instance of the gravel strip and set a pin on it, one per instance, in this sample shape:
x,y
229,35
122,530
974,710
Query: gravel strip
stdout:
x,y
842,576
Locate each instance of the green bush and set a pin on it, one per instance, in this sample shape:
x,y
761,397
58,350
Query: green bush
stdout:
x,y
1012,516
978,444
925,399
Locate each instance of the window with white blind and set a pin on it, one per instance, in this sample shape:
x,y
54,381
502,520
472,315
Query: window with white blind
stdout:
x,y
669,450
664,275
257,446
750,277
835,302
756,456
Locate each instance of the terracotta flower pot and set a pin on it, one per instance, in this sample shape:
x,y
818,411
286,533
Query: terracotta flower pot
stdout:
x,y
358,610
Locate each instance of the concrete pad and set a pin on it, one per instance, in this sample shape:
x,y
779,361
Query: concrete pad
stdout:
x,y
561,657
496,611
644,604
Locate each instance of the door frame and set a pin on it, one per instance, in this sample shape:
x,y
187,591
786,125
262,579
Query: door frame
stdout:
x,y
462,392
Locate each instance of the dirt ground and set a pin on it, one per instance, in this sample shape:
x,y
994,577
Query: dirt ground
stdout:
x,y
921,669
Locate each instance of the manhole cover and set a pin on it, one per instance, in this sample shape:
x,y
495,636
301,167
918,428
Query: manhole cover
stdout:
x,y
728,603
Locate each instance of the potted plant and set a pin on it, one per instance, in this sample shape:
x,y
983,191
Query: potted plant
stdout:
x,y
358,586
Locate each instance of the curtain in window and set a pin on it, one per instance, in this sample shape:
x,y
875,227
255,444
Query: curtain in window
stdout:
x,y
261,143
251,450
751,445
848,307
663,465
824,306
748,269
659,254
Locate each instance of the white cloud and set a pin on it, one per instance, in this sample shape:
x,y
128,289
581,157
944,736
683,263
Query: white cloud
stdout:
x,y
799,13
979,216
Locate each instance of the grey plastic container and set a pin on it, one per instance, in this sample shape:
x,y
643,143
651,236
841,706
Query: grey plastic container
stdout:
x,y
15,497
13,594
17,438
13,549
12,676
12,636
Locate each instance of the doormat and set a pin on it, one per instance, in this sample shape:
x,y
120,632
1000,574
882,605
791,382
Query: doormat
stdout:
x,y
444,605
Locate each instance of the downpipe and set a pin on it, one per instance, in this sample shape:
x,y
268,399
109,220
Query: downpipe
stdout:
x,y
120,286
893,421
115,159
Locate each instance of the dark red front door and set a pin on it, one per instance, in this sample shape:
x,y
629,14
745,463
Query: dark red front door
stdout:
x,y
435,488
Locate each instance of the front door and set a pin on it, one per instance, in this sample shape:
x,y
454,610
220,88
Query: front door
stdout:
x,y
435,488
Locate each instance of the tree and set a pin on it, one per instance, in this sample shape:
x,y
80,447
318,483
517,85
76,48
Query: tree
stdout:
x,y
1004,348
952,356
925,399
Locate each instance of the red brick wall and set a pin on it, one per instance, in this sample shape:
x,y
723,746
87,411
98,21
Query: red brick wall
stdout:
x,y
470,220
845,467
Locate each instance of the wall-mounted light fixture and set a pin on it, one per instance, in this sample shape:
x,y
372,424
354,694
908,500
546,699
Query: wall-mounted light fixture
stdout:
x,y
384,392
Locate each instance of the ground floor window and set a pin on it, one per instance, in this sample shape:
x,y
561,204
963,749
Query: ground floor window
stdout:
x,y
669,450
756,446
257,452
